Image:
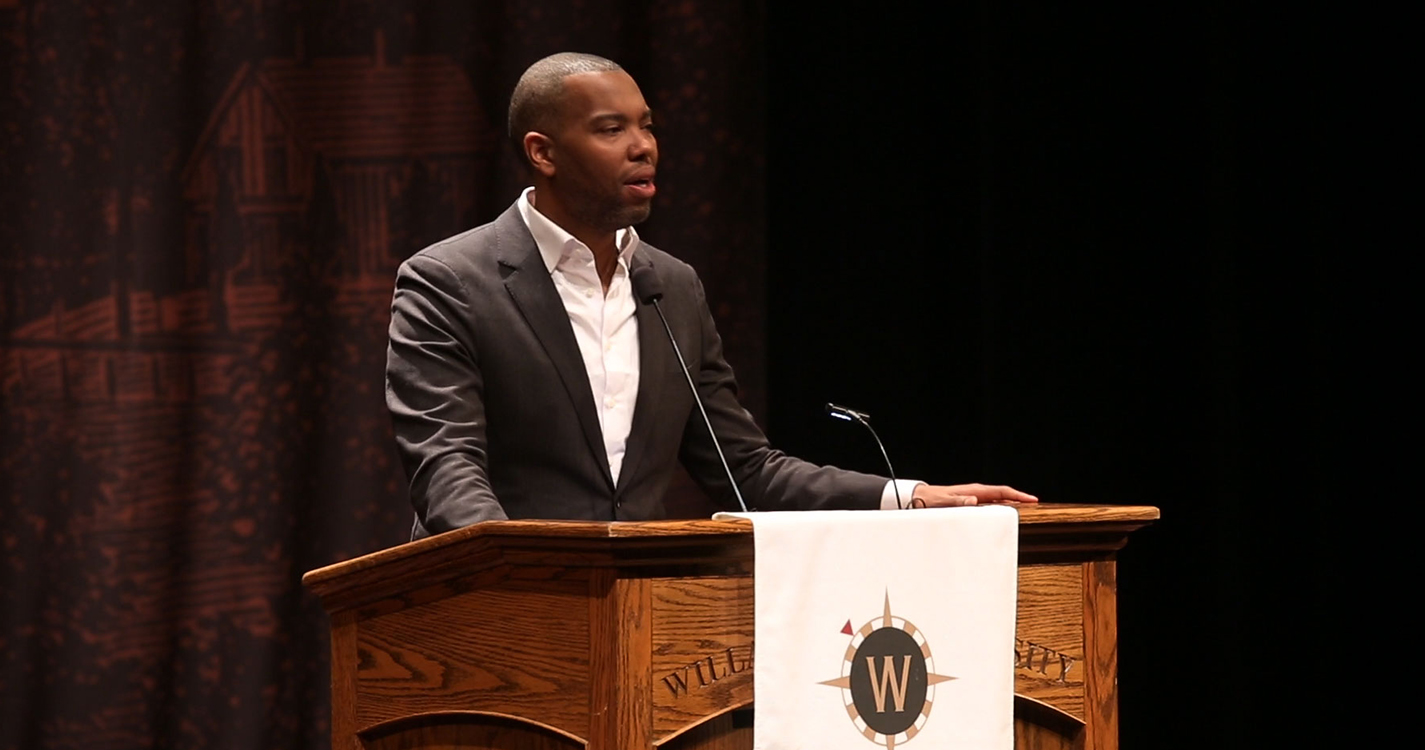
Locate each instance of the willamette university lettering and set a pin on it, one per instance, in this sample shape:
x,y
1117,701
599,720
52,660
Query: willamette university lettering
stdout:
x,y
1027,652
708,670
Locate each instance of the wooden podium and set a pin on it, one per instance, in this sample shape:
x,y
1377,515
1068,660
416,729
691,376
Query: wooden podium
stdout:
x,y
525,635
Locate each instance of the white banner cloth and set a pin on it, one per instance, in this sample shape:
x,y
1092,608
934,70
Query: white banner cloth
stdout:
x,y
889,628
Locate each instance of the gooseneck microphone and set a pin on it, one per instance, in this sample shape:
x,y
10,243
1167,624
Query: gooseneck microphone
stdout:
x,y
864,419
649,289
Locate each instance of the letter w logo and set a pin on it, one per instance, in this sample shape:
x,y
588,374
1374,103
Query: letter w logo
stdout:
x,y
888,678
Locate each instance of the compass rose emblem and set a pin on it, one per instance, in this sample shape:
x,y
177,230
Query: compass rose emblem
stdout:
x,y
888,679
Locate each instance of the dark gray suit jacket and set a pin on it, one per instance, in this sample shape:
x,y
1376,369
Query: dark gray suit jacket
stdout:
x,y
494,416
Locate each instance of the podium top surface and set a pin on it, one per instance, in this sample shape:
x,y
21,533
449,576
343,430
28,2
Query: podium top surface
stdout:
x,y
1038,520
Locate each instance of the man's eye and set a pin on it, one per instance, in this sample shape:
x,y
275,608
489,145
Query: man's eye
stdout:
x,y
612,130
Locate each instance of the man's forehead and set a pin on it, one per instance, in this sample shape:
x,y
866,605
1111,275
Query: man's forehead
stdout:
x,y
602,90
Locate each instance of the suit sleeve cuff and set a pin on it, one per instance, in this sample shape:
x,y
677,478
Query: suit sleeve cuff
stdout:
x,y
906,487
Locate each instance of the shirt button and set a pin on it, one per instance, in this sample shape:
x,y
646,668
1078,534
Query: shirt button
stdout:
x,y
589,293
610,401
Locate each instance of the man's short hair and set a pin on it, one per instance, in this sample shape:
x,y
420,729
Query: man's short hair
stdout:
x,y
534,105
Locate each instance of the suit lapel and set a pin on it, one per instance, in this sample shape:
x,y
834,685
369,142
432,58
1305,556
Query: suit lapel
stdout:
x,y
527,280
655,363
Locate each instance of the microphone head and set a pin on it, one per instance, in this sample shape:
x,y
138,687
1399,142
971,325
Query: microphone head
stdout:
x,y
843,412
647,287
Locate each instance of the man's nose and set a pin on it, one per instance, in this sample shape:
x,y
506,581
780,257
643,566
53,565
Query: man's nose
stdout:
x,y
644,147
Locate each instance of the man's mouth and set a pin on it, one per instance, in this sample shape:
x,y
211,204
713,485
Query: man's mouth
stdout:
x,y
642,187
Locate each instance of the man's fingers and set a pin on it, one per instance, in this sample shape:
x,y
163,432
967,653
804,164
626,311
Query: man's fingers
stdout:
x,y
1010,493
948,501
956,495
997,493
969,494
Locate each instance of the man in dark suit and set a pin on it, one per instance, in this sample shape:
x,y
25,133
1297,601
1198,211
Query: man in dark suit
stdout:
x,y
525,381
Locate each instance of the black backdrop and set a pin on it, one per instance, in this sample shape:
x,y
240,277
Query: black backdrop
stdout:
x,y
1116,252
1091,250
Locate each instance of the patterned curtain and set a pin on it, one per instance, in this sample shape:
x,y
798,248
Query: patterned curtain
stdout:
x,y
204,205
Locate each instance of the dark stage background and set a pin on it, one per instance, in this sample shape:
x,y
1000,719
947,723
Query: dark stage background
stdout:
x,y
1089,250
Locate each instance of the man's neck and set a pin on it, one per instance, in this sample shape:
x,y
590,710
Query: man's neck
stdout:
x,y
604,245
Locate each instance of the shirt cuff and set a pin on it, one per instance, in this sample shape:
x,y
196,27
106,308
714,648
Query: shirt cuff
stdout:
x,y
906,487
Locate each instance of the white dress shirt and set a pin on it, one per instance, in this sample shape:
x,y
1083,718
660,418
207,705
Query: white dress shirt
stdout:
x,y
605,325
606,328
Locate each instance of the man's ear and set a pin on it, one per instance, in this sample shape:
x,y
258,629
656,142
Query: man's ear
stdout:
x,y
539,150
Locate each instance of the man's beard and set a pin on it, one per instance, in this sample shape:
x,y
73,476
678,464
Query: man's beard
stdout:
x,y
613,214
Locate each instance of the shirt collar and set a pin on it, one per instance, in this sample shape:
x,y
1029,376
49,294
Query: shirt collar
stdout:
x,y
553,241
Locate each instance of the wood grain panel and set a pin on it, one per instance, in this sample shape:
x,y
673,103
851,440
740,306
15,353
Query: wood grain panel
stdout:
x,y
620,638
729,731
1101,645
509,649
702,649
1029,735
465,733
1049,636
343,642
